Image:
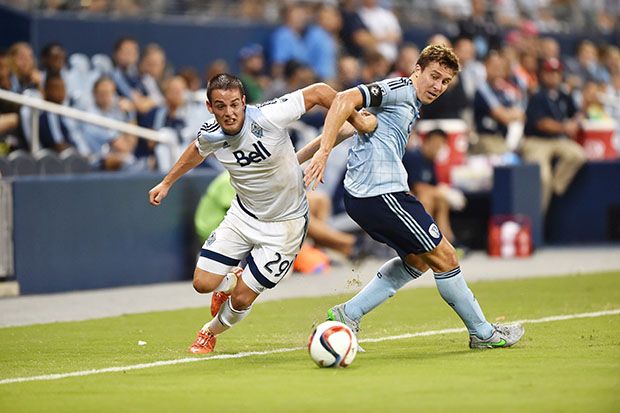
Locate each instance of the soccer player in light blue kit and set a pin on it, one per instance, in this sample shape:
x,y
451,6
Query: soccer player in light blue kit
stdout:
x,y
377,197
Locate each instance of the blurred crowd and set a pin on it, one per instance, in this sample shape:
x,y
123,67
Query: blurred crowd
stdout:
x,y
548,15
506,63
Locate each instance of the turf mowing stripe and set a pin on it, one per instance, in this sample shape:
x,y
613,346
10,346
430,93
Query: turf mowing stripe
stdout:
x,y
284,350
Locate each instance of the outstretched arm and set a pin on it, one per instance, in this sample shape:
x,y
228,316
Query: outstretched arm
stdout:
x,y
343,106
188,161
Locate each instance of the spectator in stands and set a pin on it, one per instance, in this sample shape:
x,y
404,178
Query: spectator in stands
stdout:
x,y
375,67
356,37
422,180
192,78
480,26
178,115
296,76
585,66
287,41
152,69
349,73
591,103
252,66
11,137
523,69
439,38
322,42
57,132
611,98
472,72
548,47
384,26
127,77
24,74
214,68
5,73
552,124
54,58
406,60
96,6
497,105
109,149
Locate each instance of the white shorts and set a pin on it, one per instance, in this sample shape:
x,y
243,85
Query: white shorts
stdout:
x,y
269,248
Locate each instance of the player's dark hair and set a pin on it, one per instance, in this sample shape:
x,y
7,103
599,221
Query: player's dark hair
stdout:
x,y
224,81
122,40
437,132
101,79
47,49
441,54
50,77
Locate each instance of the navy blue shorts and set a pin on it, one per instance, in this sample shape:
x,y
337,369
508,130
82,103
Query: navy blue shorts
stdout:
x,y
397,219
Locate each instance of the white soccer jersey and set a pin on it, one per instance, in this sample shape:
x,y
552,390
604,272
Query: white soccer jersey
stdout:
x,y
261,159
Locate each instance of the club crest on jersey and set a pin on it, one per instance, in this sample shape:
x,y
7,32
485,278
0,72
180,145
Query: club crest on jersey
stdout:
x,y
375,90
211,238
434,231
256,130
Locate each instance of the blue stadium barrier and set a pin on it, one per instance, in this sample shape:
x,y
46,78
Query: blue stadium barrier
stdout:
x,y
585,213
98,230
517,190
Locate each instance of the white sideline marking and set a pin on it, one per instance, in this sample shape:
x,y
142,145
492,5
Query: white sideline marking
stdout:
x,y
284,350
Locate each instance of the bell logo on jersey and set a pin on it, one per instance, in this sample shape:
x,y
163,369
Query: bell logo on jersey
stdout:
x,y
261,153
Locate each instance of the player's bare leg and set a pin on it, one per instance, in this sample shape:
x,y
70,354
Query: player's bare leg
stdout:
x,y
220,285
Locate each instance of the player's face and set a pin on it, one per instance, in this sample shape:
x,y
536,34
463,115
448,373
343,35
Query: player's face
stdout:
x,y
228,106
431,82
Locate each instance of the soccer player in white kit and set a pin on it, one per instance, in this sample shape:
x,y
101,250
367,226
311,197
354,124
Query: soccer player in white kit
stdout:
x,y
267,221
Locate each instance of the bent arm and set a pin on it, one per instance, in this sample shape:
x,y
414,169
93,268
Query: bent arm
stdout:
x,y
189,159
305,153
343,107
321,94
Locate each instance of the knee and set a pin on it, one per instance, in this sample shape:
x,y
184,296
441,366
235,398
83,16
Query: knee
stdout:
x,y
202,286
448,259
242,300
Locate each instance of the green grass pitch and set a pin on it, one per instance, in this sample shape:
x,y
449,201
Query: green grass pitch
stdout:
x,y
560,366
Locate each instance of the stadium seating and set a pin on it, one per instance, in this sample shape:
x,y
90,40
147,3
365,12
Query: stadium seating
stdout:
x,y
22,163
74,163
48,163
5,167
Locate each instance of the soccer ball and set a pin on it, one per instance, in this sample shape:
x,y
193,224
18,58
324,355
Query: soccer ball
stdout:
x,y
332,344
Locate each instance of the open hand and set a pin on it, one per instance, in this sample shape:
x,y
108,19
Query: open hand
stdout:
x,y
316,169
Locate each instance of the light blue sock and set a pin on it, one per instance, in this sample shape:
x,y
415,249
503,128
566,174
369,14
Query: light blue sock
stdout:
x,y
454,291
391,276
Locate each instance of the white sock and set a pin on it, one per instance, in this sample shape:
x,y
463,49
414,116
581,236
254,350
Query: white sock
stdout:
x,y
228,283
225,318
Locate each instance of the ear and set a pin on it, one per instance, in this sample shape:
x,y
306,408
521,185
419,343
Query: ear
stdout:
x,y
417,70
209,106
243,100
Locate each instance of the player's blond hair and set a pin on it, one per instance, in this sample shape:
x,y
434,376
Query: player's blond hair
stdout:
x,y
441,54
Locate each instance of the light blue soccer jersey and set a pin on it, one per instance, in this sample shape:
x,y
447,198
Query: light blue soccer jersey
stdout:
x,y
374,165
